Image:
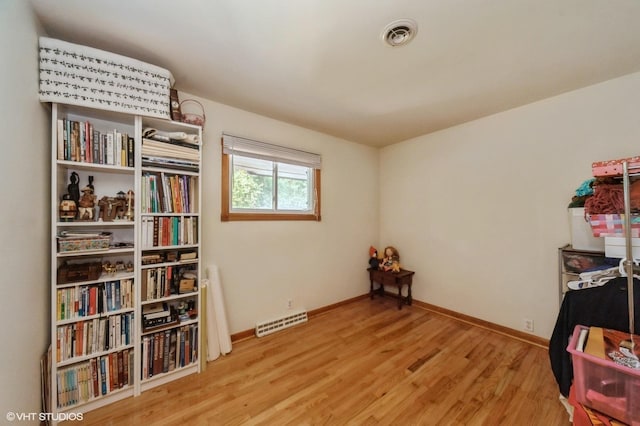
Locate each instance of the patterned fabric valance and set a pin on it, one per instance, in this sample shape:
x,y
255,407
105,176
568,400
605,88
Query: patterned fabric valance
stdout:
x,y
80,75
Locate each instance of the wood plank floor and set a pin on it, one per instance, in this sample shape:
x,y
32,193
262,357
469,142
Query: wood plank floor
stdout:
x,y
364,363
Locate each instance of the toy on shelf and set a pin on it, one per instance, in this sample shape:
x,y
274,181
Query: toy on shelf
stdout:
x,y
391,260
374,262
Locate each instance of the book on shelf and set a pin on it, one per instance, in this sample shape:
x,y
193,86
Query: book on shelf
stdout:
x,y
145,357
167,193
45,379
120,360
163,231
79,141
157,369
168,350
167,344
96,335
188,255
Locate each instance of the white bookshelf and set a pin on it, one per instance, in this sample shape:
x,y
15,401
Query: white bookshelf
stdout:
x,y
77,384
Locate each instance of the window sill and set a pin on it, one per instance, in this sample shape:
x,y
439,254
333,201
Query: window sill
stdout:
x,y
231,217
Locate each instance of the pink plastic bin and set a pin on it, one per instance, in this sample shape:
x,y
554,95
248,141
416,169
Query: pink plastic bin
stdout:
x,y
605,386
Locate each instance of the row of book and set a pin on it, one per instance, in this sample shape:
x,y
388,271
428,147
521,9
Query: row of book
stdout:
x,y
94,378
168,193
171,153
167,350
97,335
163,231
164,281
80,141
88,300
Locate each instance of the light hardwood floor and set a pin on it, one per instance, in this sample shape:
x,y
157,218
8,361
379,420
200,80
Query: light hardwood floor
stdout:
x,y
363,363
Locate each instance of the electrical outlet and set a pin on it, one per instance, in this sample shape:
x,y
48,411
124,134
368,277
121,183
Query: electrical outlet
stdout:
x,y
528,325
289,304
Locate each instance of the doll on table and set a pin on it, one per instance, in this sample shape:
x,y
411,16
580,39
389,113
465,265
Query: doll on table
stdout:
x,y
390,260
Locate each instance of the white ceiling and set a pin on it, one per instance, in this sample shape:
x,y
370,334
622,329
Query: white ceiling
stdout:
x,y
321,64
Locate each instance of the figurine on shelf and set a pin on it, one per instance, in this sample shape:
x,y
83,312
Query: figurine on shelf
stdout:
x,y
183,311
68,209
109,268
111,208
87,204
391,260
73,188
120,206
129,214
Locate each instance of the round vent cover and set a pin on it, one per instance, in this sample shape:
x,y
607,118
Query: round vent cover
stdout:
x,y
400,32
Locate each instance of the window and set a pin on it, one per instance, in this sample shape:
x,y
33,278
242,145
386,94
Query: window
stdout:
x,y
261,181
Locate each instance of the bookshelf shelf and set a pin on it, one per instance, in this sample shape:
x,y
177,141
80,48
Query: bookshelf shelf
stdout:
x,y
91,404
105,168
173,247
96,252
96,316
100,154
171,214
182,262
169,298
171,171
103,278
96,224
79,359
159,379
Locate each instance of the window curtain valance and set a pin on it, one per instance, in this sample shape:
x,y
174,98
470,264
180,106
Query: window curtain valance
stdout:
x,y
84,76
266,151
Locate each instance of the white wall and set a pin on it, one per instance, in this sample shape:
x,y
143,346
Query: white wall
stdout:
x,y
479,210
24,188
315,264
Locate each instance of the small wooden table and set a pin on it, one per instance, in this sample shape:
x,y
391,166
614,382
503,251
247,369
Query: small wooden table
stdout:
x,y
398,279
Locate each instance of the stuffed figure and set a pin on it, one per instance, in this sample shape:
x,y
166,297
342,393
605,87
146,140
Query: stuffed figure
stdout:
x,y
374,263
391,260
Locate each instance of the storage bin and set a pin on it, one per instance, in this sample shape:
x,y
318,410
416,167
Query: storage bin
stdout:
x,y
605,386
612,225
581,234
616,247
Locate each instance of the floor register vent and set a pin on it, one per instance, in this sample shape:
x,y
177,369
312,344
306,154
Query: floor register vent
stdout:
x,y
267,327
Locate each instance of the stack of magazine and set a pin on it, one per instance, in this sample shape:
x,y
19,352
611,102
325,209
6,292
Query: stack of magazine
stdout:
x,y
172,150
157,315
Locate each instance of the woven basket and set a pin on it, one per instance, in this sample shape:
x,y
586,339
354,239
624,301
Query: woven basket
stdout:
x,y
198,118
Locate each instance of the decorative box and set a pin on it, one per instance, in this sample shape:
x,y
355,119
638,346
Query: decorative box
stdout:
x,y
613,167
612,225
80,75
76,272
77,244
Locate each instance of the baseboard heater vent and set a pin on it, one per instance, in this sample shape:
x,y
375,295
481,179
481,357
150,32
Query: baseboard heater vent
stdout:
x,y
267,327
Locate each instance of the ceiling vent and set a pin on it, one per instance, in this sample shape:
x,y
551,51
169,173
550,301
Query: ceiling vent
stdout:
x,y
399,32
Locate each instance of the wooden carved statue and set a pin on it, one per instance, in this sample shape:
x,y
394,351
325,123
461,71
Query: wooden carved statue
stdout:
x,y
109,208
86,204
